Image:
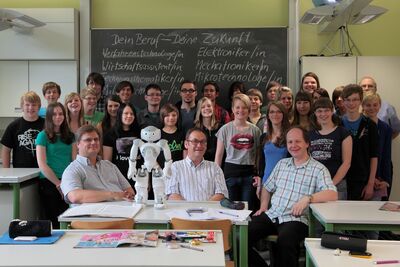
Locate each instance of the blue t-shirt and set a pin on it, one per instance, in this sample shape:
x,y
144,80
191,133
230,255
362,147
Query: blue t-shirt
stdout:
x,y
58,154
351,126
272,154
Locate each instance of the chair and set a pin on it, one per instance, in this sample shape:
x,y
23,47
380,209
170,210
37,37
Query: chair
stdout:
x,y
224,225
117,224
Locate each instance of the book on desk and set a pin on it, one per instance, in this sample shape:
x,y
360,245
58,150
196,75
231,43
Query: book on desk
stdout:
x,y
107,209
117,239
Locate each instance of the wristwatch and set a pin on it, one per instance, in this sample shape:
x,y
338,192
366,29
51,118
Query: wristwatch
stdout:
x,y
310,199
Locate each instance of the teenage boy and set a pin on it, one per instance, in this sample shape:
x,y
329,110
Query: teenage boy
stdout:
x,y
187,105
96,81
211,91
91,115
150,116
361,175
255,115
387,113
51,92
20,135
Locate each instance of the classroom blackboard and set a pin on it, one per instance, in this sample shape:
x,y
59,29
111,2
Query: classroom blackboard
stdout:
x,y
254,56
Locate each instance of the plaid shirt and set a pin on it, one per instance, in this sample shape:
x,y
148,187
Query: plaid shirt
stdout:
x,y
101,105
288,183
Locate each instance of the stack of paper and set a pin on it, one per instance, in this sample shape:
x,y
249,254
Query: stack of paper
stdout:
x,y
103,210
211,214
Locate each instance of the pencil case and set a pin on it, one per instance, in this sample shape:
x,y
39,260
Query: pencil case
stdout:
x,y
343,241
40,228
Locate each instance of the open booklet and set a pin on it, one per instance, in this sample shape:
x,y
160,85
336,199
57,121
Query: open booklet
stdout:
x,y
105,209
390,206
117,239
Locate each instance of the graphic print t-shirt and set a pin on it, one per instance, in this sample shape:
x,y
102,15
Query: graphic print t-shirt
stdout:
x,y
20,136
240,146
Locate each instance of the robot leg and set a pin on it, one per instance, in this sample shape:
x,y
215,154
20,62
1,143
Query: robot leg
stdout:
x,y
159,189
141,185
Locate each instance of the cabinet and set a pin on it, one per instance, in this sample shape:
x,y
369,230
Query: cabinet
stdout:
x,y
17,77
48,53
57,40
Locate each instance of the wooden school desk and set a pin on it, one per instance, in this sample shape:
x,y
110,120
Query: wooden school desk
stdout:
x,y
63,254
353,215
151,218
319,256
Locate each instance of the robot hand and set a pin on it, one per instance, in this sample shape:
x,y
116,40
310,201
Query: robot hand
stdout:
x,y
132,170
167,168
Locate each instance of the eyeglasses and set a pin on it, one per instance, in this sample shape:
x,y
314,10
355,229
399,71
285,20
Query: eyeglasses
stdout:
x,y
197,142
154,95
90,98
188,91
90,140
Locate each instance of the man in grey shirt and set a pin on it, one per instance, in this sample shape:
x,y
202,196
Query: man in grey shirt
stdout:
x,y
90,179
194,178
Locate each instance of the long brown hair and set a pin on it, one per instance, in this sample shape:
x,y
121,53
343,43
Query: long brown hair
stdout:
x,y
66,135
285,124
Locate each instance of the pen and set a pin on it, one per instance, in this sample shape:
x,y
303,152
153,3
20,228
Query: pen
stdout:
x,y
386,261
189,247
227,213
188,213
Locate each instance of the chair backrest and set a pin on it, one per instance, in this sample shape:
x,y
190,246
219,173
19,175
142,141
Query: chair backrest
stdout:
x,y
117,224
224,225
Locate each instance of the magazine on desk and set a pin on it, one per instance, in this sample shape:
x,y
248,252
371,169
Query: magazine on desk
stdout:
x,y
390,206
106,209
118,239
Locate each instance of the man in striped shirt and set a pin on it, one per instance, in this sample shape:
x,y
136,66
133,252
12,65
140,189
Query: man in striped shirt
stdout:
x,y
194,178
294,184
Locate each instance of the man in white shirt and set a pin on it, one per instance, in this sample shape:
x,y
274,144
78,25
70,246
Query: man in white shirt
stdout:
x,y
193,178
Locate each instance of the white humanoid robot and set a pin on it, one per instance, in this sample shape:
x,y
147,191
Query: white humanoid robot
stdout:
x,y
150,152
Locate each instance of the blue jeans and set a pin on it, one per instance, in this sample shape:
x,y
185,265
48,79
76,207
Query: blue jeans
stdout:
x,y
241,189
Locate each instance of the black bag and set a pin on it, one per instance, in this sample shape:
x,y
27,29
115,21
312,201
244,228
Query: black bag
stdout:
x,y
227,203
29,228
343,242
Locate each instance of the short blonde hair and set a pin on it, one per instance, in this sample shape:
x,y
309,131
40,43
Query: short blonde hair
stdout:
x,y
242,97
30,97
88,91
371,97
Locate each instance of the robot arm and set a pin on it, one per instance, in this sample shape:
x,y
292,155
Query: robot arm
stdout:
x,y
167,155
137,143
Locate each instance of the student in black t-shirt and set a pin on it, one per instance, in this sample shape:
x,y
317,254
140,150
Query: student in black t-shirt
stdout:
x,y
169,115
330,143
20,135
118,141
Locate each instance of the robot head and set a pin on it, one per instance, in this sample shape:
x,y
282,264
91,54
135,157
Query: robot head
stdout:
x,y
150,134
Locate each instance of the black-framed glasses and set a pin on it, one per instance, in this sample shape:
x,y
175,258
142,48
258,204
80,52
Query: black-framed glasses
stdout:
x,y
197,142
188,91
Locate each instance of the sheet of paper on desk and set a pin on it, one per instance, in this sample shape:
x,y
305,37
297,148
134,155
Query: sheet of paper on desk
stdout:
x,y
103,210
390,206
211,214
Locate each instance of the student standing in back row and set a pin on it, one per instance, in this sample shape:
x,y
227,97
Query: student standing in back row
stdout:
x,y
240,139
361,174
51,92
19,137
187,105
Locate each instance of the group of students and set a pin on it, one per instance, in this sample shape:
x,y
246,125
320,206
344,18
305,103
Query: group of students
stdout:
x,y
349,135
